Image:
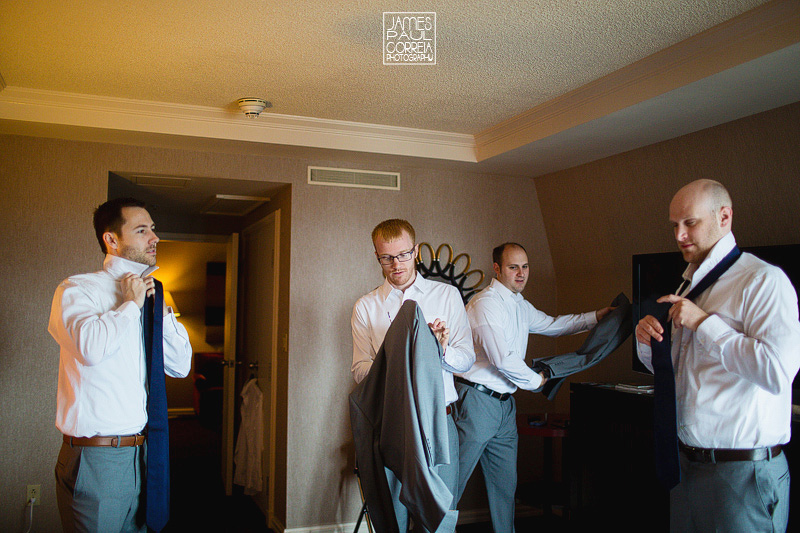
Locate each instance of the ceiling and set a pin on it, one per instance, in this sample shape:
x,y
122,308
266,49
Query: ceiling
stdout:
x,y
519,88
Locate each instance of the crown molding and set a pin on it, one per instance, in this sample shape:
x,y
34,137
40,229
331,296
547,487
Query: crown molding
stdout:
x,y
138,116
765,29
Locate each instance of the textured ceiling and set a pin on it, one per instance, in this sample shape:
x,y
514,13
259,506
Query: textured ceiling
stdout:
x,y
494,59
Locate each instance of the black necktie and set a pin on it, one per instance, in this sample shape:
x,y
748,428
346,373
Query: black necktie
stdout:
x,y
665,427
157,484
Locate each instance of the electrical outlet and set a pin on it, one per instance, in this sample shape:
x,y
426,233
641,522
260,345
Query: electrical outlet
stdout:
x,y
34,491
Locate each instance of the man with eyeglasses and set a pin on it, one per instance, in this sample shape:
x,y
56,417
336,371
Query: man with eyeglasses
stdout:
x,y
443,309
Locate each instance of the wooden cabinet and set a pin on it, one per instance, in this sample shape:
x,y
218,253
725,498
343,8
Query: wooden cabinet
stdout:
x,y
612,472
612,478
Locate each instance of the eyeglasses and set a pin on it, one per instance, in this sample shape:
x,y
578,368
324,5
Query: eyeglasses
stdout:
x,y
387,260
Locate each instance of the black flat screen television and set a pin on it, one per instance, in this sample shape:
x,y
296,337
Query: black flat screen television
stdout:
x,y
655,275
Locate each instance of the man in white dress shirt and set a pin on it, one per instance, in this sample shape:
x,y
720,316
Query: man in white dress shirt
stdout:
x,y
102,377
441,304
501,321
735,351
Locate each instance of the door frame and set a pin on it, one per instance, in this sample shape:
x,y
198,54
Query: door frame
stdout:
x,y
273,414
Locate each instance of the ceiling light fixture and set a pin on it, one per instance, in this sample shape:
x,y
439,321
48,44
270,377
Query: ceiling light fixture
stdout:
x,y
252,107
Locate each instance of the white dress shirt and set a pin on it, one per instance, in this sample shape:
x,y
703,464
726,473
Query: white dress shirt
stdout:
x,y
501,321
374,312
102,372
250,441
733,376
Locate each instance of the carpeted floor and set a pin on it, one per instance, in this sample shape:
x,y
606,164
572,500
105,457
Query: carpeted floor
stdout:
x,y
198,501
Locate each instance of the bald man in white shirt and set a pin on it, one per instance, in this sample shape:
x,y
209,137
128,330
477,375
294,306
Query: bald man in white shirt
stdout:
x,y
735,351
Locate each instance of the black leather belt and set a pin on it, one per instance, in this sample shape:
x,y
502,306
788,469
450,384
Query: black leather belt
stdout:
x,y
486,390
717,455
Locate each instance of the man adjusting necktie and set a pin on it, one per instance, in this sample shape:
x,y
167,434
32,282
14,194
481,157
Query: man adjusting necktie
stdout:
x,y
733,342
115,349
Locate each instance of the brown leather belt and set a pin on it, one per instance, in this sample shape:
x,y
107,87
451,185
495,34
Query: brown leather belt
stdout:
x,y
718,455
486,390
116,441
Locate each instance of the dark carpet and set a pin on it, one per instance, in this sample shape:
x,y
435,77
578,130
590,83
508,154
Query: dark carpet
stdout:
x,y
198,501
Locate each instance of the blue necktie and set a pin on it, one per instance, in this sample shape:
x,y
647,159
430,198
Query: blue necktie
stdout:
x,y
157,483
665,427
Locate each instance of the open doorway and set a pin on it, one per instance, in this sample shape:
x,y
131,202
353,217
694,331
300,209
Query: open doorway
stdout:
x,y
198,219
190,271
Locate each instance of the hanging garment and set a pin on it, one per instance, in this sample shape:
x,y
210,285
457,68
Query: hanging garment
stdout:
x,y
250,442
603,339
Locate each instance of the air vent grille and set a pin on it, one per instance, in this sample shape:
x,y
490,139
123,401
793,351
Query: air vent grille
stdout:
x,y
343,177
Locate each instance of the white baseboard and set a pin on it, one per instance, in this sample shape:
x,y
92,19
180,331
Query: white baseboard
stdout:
x,y
330,528
464,517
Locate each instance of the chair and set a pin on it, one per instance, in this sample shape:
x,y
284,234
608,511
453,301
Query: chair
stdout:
x,y
549,427
208,388
455,271
364,511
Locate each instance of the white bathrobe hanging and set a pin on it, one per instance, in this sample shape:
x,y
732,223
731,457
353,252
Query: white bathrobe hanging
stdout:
x,y
250,442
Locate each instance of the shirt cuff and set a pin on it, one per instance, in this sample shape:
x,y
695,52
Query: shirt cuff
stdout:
x,y
645,354
710,331
170,323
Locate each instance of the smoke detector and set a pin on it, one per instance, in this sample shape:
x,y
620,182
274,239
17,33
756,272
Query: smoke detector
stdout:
x,y
252,107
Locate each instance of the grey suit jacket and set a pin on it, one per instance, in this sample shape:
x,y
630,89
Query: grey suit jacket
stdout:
x,y
398,420
603,339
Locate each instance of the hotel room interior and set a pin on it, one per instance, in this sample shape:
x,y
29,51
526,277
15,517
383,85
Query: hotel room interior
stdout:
x,y
566,126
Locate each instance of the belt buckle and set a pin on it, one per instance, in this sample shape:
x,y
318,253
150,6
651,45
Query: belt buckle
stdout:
x,y
708,455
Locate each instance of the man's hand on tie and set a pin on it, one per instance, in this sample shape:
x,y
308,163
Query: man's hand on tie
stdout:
x,y
649,328
684,313
135,289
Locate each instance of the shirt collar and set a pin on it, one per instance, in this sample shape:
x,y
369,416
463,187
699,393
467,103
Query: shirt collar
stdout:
x,y
718,252
504,292
118,267
420,285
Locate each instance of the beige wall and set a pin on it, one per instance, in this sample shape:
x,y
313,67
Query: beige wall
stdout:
x,y
591,220
598,215
50,190
332,265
